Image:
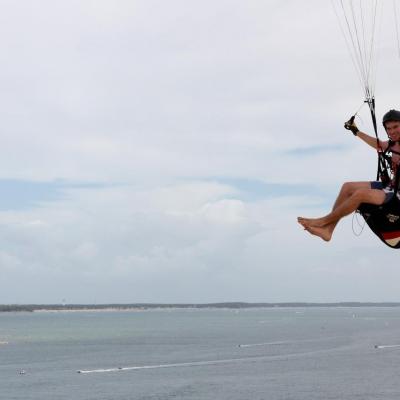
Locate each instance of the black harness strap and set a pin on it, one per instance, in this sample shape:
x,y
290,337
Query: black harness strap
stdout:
x,y
371,104
383,159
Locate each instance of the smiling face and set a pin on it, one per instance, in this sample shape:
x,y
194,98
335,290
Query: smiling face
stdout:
x,y
393,130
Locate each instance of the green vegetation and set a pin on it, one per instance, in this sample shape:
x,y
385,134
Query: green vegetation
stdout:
x,y
147,306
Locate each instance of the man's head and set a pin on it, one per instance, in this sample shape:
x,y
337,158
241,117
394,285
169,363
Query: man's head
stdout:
x,y
391,123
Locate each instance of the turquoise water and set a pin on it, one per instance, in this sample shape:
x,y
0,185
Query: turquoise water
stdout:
x,y
309,353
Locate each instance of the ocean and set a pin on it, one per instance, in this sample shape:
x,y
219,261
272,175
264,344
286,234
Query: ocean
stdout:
x,y
223,354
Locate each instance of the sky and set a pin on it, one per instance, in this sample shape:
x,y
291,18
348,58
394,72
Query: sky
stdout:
x,y
159,151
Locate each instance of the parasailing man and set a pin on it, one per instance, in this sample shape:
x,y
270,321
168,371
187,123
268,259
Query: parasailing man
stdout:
x,y
353,194
377,201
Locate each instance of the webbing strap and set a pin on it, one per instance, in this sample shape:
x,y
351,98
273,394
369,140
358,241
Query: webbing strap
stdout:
x,y
382,170
371,105
396,181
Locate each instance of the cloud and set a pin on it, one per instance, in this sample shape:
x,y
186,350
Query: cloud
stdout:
x,y
187,242
99,233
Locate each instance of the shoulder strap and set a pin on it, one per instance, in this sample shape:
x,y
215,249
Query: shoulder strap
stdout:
x,y
382,172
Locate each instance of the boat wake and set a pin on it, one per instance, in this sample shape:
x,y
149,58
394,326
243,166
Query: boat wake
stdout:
x,y
281,343
278,357
386,346
187,364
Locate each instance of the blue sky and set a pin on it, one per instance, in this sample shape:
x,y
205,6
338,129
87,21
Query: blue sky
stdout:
x,y
161,152
19,195
253,190
24,195
314,150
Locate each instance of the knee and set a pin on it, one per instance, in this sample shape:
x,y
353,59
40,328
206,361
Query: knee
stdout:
x,y
348,188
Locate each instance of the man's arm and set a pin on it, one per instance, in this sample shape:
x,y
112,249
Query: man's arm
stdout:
x,y
370,140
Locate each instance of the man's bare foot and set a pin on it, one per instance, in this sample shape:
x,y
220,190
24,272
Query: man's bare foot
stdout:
x,y
305,221
323,233
316,222
301,221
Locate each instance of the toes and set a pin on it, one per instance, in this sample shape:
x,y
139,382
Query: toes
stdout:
x,y
302,221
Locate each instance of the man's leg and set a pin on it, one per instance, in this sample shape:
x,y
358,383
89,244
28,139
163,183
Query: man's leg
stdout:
x,y
346,191
323,227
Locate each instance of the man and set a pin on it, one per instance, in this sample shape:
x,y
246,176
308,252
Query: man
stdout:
x,y
352,194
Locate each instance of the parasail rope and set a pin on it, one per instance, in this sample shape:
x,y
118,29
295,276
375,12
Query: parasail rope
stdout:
x,y
370,71
359,47
375,46
354,51
348,44
397,25
358,29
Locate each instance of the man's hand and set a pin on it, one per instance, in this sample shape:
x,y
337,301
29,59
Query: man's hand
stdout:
x,y
351,126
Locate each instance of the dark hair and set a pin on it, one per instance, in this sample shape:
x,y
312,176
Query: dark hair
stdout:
x,y
392,115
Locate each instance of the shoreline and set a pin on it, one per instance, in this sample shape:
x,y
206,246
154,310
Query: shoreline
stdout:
x,y
139,307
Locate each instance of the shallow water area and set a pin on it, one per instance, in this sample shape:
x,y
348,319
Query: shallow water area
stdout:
x,y
271,353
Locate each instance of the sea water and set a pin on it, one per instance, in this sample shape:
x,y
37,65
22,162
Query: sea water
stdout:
x,y
224,354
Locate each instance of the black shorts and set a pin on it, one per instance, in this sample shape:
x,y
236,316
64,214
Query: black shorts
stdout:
x,y
388,191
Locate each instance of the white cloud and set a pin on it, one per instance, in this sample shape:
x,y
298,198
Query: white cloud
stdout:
x,y
121,245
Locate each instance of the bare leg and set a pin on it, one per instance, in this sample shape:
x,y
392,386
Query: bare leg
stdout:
x,y
346,191
325,224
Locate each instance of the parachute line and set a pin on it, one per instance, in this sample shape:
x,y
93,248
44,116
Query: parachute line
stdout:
x,y
376,47
363,60
355,53
396,21
358,21
347,41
